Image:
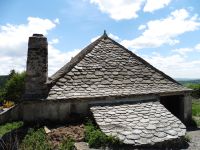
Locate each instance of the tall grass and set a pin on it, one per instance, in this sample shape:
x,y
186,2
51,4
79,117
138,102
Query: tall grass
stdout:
x,y
9,127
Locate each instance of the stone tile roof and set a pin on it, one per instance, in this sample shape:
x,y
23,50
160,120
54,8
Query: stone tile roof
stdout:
x,y
105,68
139,123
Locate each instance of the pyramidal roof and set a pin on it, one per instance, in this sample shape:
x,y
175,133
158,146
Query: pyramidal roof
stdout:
x,y
105,68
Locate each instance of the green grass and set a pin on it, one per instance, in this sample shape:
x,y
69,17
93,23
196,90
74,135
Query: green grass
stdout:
x,y
196,108
196,112
67,144
9,127
36,139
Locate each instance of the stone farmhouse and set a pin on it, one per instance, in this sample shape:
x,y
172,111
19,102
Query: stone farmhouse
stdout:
x,y
127,96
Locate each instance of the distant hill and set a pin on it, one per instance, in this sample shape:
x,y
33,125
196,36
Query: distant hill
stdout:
x,y
3,79
189,81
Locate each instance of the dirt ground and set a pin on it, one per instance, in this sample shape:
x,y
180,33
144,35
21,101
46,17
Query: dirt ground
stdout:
x,y
58,134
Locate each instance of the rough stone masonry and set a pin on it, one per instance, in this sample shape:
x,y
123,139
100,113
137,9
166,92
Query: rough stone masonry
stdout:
x,y
37,67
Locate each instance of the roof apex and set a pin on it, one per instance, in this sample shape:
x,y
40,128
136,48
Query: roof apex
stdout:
x,y
104,34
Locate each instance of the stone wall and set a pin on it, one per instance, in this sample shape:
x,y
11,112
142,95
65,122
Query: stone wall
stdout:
x,y
60,110
186,105
37,67
49,110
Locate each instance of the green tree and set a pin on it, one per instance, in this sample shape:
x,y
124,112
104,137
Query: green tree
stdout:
x,y
14,87
12,73
196,90
2,95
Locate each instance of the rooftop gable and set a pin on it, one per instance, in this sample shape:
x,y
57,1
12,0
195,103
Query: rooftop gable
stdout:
x,y
106,68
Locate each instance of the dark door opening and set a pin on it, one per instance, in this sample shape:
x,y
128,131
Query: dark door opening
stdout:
x,y
173,104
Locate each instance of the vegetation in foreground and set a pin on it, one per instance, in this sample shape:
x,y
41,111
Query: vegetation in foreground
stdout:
x,y
196,112
67,144
195,85
96,138
36,139
13,87
9,127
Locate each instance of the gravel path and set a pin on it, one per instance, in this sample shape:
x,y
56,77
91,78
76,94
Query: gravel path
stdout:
x,y
195,139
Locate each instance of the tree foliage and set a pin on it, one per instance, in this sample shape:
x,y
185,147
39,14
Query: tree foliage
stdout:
x,y
13,89
196,88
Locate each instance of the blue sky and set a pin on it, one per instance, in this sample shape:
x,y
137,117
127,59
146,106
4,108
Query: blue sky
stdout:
x,y
165,32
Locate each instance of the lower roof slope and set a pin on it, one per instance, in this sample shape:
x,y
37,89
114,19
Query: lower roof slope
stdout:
x,y
139,123
105,68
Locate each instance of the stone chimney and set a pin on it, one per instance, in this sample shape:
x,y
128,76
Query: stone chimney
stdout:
x,y
36,68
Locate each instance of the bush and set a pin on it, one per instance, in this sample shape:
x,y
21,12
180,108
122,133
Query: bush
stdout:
x,y
67,144
96,138
196,88
35,140
187,138
2,96
14,87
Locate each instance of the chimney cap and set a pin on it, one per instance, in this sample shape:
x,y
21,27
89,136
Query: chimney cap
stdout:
x,y
36,34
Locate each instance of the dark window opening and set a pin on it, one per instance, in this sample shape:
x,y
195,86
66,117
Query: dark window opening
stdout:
x,y
173,104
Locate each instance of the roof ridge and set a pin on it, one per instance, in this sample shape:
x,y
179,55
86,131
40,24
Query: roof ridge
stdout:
x,y
145,62
75,60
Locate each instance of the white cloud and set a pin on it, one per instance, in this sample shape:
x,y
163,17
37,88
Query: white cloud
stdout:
x,y
119,9
128,9
142,27
182,51
57,20
94,38
175,65
14,41
152,5
164,31
197,47
54,41
114,37
58,58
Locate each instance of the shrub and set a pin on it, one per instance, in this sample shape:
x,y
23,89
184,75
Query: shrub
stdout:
x,y
14,87
196,90
96,138
187,138
112,140
67,144
2,96
35,140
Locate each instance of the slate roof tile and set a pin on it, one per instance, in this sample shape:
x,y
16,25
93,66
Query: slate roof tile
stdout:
x,y
105,68
137,128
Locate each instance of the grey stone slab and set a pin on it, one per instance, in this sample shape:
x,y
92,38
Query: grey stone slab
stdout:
x,y
127,141
171,132
133,137
151,127
106,64
137,129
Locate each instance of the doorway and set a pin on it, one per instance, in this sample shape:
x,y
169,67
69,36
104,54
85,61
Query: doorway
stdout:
x,y
173,104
